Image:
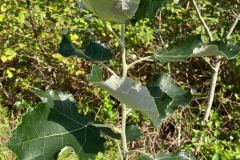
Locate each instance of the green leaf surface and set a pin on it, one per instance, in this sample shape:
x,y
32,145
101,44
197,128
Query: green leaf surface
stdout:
x,y
96,74
180,52
68,49
169,156
148,9
133,95
50,96
120,11
229,51
47,129
175,156
97,52
194,47
133,133
161,98
146,157
167,95
92,51
217,48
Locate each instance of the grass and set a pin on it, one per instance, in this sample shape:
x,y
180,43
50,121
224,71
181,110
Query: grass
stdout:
x,y
5,154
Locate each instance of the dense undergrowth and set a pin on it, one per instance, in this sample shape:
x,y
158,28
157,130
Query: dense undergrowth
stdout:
x,y
29,38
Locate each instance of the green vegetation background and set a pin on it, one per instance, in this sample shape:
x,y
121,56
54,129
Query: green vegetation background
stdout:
x,y
29,38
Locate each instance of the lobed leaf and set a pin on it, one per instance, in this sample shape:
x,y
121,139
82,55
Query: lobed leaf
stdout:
x,y
160,99
229,51
167,95
92,51
133,95
194,47
53,125
217,48
120,11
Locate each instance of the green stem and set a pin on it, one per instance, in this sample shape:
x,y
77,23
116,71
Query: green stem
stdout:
x,y
124,107
109,27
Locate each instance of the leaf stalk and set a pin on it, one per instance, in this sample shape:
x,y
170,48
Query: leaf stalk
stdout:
x,y
107,68
139,61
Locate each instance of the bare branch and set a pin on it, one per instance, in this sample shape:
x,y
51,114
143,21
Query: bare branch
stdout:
x,y
212,90
233,26
202,20
215,68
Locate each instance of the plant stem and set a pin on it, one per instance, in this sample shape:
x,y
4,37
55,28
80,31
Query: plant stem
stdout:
x,y
202,20
107,68
124,138
119,149
123,51
206,28
215,74
215,68
124,107
139,61
212,90
218,63
233,26
109,27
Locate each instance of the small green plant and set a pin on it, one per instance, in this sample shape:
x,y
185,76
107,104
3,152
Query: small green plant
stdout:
x,y
55,122
218,139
